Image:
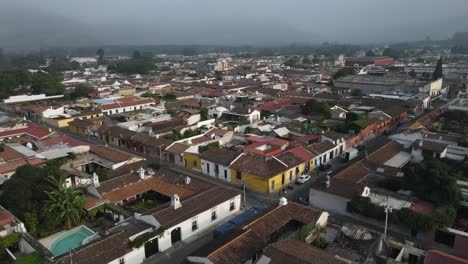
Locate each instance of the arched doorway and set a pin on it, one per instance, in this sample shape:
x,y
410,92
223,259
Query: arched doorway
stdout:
x,y
176,235
151,248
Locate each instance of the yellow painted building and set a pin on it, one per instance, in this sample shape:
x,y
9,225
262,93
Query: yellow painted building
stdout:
x,y
271,174
192,161
127,91
63,122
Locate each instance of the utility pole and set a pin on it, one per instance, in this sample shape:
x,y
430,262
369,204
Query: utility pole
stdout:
x,y
388,209
243,187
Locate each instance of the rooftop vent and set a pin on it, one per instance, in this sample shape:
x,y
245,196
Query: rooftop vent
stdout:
x,y
175,202
283,201
187,180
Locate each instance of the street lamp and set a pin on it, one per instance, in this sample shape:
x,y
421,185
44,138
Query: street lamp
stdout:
x,y
388,209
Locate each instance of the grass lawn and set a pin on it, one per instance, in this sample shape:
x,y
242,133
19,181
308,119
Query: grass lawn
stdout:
x,y
32,258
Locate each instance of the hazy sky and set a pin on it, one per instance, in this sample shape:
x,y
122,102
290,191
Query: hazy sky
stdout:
x,y
327,20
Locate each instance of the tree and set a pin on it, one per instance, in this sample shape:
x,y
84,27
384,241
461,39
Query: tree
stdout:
x,y
81,90
176,135
437,74
25,191
31,222
203,113
313,106
219,75
100,53
412,73
444,216
434,181
344,72
66,203
136,55
370,53
306,60
47,83
189,133
392,53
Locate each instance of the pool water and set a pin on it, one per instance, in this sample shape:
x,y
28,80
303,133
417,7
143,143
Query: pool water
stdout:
x,y
70,240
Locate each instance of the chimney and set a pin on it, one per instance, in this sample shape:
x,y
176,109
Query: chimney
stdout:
x,y
96,180
141,172
187,180
249,110
328,182
175,202
231,107
420,143
283,201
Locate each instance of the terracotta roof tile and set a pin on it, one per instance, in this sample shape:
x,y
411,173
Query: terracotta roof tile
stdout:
x,y
298,252
219,156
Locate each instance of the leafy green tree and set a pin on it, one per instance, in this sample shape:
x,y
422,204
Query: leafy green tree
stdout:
x,y
189,133
80,90
66,203
176,135
47,83
344,72
25,191
412,73
31,222
203,113
392,53
140,65
437,74
370,53
444,216
313,106
434,181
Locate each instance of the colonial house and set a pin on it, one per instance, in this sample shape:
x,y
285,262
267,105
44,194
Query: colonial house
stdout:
x,y
270,174
215,163
248,241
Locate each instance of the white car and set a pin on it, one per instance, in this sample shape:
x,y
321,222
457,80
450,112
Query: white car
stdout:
x,y
303,179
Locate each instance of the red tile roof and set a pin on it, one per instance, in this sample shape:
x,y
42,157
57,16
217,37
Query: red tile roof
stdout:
x,y
33,130
12,166
439,257
65,139
127,103
6,217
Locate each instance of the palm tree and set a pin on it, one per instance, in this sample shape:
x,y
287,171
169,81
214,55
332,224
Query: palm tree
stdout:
x,y
313,234
66,203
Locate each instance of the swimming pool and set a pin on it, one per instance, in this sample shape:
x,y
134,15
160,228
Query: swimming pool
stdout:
x,y
70,240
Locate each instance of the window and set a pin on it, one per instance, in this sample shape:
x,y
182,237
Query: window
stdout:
x,y
225,174
232,206
194,163
213,215
122,261
290,176
272,185
238,175
194,225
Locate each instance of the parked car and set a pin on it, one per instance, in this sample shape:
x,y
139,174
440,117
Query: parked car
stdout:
x,y
303,179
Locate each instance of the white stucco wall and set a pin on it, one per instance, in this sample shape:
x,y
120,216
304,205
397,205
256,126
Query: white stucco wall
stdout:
x,y
212,173
136,256
203,221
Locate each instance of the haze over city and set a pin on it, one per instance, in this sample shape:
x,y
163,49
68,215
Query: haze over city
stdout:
x,y
209,22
